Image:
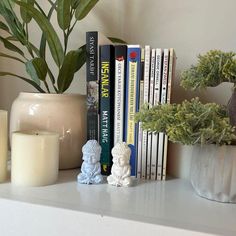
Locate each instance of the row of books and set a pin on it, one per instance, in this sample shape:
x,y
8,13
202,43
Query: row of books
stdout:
x,y
120,79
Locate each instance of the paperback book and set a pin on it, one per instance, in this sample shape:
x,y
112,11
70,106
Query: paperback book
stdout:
x,y
132,102
93,40
106,106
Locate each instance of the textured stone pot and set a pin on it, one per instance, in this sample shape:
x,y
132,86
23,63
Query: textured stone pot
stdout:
x,y
213,172
61,113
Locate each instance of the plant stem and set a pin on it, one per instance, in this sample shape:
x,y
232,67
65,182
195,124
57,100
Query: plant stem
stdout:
x,y
27,38
52,3
52,80
42,11
69,30
46,85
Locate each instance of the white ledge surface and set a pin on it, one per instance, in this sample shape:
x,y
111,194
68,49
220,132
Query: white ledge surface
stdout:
x,y
147,208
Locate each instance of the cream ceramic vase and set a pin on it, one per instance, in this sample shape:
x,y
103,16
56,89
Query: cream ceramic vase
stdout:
x,y
213,172
61,113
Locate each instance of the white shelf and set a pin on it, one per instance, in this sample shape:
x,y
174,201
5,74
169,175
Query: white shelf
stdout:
x,y
169,208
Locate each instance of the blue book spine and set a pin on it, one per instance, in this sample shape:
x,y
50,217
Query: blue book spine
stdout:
x,y
132,102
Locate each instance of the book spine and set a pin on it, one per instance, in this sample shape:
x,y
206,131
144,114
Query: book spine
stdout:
x,y
92,84
172,62
157,91
140,131
120,74
164,87
151,94
106,106
140,139
145,100
132,103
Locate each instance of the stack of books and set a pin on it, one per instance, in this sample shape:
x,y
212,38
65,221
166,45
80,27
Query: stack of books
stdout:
x,y
120,79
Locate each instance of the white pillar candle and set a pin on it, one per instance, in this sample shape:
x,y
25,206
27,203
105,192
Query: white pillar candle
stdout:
x,y
3,145
35,158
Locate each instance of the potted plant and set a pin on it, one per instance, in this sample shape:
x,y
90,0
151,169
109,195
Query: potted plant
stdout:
x,y
209,128
49,109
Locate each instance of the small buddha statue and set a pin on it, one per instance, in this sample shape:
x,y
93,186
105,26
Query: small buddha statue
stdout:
x,y
91,167
120,171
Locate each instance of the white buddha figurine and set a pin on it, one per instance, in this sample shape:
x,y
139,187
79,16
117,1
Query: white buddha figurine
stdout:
x,y
91,167
120,171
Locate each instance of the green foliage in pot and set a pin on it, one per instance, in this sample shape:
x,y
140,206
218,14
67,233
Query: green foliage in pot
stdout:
x,y
69,13
190,122
212,69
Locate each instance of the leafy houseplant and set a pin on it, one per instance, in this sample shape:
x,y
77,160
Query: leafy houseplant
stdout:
x,y
210,125
69,13
212,69
189,123
61,113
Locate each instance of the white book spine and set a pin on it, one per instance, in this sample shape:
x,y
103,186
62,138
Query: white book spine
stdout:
x,y
164,87
140,136
119,100
157,91
151,94
169,87
145,100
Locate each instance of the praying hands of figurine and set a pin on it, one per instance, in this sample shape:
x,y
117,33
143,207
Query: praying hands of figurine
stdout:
x,y
90,171
121,170
120,173
91,167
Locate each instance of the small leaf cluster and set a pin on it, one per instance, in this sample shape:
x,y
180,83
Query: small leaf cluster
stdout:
x,y
189,123
211,69
69,13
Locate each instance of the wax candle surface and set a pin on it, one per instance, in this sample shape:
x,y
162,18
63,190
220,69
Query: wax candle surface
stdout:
x,y
35,158
3,145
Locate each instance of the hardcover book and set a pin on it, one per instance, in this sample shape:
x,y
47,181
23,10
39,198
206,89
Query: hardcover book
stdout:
x,y
93,40
106,106
132,102
120,77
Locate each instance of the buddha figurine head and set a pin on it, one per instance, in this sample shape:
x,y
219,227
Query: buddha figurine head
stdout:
x,y
121,154
91,152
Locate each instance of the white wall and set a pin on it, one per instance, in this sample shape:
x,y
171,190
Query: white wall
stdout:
x,y
190,26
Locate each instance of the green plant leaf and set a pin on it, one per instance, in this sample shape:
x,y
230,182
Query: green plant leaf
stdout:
x,y
14,24
33,48
84,7
12,57
12,38
67,71
81,57
74,3
23,78
49,32
24,15
8,3
3,26
11,46
63,13
37,69
116,40
43,41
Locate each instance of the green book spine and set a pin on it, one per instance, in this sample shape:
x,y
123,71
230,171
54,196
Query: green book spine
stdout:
x,y
106,106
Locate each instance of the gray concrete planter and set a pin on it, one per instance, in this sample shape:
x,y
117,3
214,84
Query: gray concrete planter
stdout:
x,y
213,172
